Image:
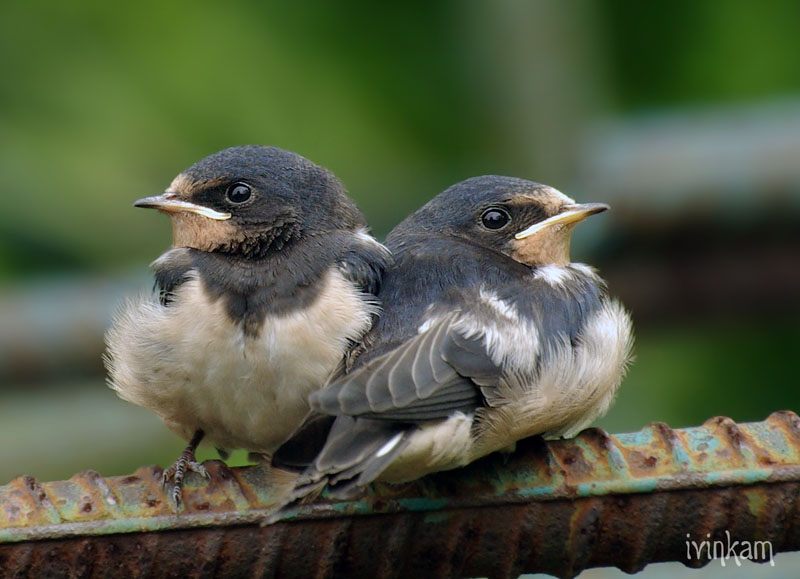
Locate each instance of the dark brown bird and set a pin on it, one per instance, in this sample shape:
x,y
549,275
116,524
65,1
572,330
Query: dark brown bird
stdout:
x,y
270,281
489,334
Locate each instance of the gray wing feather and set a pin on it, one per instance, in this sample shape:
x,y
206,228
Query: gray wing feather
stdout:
x,y
468,355
442,372
348,446
397,379
428,377
421,371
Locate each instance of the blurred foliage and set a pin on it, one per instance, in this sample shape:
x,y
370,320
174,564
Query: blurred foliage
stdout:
x,y
715,51
102,103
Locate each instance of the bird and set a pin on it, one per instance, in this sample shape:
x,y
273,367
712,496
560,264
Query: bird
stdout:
x,y
270,281
489,334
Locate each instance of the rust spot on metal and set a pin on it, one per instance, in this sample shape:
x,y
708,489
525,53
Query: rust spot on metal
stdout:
x,y
598,437
766,460
640,461
787,418
36,489
575,465
723,453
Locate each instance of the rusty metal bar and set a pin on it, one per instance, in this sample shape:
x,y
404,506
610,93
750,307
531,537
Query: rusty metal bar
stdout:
x,y
597,500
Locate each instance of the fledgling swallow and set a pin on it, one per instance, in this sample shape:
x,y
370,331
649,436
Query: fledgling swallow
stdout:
x,y
270,280
489,334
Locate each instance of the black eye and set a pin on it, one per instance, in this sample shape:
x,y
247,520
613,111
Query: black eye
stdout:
x,y
495,218
238,193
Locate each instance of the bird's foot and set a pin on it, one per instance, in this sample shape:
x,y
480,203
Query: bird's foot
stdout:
x,y
186,462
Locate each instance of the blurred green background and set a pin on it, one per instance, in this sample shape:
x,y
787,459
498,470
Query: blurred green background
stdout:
x,y
684,116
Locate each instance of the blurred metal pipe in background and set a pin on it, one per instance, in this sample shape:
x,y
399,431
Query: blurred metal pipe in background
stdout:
x,y
558,507
705,213
53,327
730,162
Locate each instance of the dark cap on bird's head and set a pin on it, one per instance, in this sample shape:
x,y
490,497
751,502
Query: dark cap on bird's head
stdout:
x,y
529,222
252,200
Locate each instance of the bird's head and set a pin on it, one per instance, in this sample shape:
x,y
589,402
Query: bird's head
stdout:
x,y
253,200
529,222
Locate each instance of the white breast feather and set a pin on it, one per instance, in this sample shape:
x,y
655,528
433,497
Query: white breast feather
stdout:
x,y
576,386
552,274
195,368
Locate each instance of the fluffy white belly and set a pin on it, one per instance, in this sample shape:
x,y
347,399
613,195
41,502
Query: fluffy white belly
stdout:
x,y
576,386
194,367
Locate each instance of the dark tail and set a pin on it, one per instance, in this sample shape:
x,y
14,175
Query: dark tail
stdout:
x,y
355,453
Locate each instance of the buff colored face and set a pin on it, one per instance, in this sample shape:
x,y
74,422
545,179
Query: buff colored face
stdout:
x,y
532,227
547,242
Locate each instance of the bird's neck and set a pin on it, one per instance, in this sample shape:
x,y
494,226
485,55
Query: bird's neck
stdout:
x,y
270,243
222,238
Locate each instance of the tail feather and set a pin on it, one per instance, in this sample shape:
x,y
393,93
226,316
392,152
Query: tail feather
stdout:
x,y
299,452
356,452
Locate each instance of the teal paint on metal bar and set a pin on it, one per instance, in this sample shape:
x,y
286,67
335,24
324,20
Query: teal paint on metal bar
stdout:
x,y
595,464
555,507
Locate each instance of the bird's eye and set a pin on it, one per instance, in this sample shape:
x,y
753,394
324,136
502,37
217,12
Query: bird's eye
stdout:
x,y
238,193
495,218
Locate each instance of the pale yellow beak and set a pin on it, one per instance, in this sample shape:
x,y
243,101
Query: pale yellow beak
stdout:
x,y
169,203
571,213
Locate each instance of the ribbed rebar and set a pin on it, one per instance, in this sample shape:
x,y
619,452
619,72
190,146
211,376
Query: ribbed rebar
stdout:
x,y
559,507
